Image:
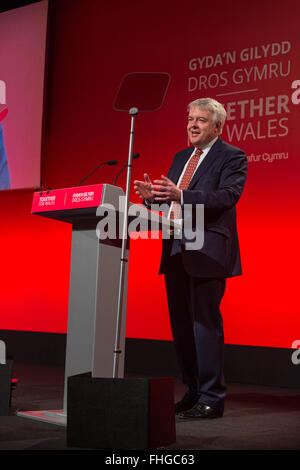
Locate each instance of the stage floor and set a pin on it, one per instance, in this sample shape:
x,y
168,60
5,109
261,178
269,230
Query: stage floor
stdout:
x,y
255,418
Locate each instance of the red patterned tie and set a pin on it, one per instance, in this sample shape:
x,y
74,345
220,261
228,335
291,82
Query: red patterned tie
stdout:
x,y
175,212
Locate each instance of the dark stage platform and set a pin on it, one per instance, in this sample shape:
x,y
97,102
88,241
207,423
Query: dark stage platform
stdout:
x,y
255,418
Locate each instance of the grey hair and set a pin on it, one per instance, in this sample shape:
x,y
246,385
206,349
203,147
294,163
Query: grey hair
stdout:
x,y
216,108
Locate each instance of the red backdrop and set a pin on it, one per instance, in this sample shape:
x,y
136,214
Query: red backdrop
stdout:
x,y
238,53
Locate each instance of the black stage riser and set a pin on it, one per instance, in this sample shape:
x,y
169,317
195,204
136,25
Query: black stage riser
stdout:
x,y
120,413
5,387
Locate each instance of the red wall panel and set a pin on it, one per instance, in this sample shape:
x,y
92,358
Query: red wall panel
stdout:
x,y
93,45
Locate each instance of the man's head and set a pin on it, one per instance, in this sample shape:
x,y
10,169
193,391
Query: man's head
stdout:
x,y
205,121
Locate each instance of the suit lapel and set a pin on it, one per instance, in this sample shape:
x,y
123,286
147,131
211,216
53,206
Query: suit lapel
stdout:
x,y
208,160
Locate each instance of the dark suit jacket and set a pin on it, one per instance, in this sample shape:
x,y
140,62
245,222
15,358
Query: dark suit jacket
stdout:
x,y
218,184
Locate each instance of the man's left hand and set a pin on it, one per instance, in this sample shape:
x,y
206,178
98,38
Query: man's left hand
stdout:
x,y
165,190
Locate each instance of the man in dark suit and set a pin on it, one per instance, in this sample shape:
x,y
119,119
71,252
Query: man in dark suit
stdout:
x,y
211,173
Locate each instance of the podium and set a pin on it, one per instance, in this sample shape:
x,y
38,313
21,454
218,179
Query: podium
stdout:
x,y
94,282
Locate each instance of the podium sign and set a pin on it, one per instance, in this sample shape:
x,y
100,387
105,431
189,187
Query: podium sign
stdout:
x,y
68,198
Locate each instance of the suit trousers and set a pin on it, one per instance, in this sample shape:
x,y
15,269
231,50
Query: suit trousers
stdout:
x,y
197,327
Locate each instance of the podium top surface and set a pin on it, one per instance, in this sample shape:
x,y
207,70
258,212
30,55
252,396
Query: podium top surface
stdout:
x,y
70,204
78,205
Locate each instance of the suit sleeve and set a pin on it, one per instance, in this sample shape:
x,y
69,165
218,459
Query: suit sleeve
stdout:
x,y
232,179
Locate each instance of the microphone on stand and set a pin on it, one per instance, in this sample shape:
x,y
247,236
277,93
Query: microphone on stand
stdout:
x,y
135,155
110,162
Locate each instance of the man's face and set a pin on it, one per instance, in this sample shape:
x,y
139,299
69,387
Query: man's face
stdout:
x,y
201,128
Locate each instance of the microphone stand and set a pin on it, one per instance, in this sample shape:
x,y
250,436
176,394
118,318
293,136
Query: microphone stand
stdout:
x,y
133,112
135,155
110,162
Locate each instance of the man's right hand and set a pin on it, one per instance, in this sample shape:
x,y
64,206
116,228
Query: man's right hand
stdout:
x,y
144,188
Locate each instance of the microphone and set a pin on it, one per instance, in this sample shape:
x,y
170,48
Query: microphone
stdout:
x,y
135,155
110,162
